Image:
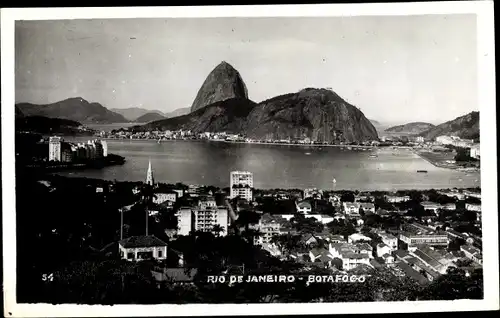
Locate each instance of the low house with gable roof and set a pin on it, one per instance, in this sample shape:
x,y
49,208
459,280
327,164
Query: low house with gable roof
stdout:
x,y
388,258
308,239
142,247
427,205
322,218
334,200
357,237
473,207
473,253
351,208
176,276
350,255
269,226
433,259
383,249
367,207
389,240
397,199
303,207
163,196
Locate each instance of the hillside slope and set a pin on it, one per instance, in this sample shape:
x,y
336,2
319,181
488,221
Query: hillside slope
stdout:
x,y
77,109
228,115
132,113
149,117
410,128
466,127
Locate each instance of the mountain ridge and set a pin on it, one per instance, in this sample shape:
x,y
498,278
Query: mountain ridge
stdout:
x,y
149,117
410,128
75,108
132,113
466,126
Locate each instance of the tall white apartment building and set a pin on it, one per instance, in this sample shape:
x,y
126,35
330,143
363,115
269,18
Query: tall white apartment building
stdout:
x,y
475,151
184,221
55,148
206,219
241,184
104,148
192,219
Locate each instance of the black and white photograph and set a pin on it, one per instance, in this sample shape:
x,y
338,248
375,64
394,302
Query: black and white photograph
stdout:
x,y
293,156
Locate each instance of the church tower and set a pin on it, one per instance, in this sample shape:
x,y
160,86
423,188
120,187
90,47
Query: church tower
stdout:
x,y
149,177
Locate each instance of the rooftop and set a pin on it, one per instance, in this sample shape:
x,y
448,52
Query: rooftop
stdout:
x,y
410,272
367,205
351,204
470,249
142,241
304,204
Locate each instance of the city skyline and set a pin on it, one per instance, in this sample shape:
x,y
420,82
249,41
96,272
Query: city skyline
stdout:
x,y
415,62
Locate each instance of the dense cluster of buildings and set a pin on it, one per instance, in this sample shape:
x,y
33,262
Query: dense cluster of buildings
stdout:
x,y
62,151
474,148
414,249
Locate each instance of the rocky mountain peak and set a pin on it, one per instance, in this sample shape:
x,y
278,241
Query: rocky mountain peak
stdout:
x,y
224,82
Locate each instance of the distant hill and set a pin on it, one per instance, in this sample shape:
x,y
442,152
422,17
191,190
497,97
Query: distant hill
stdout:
x,y
18,112
77,109
374,122
466,127
148,117
132,113
410,128
178,112
45,125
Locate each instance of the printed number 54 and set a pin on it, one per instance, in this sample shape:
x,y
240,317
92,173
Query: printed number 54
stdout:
x,y
49,277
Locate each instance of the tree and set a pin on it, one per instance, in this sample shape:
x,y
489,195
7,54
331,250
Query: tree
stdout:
x,y
247,217
217,230
455,285
463,155
306,225
347,197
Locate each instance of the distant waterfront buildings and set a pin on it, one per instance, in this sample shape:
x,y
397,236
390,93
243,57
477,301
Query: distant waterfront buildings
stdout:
x,y
454,141
62,151
475,151
55,148
241,184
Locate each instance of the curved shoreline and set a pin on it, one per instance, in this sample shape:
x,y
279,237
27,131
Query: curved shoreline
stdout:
x,y
256,143
437,164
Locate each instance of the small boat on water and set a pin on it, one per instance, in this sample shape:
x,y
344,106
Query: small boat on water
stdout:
x,y
159,140
422,171
334,181
373,156
308,153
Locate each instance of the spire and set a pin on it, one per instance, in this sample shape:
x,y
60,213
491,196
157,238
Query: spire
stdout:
x,y
149,177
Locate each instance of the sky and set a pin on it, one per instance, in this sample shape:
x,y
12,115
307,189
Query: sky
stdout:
x,y
396,69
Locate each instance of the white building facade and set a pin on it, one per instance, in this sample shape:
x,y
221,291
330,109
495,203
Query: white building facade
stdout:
x,y
241,184
55,148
